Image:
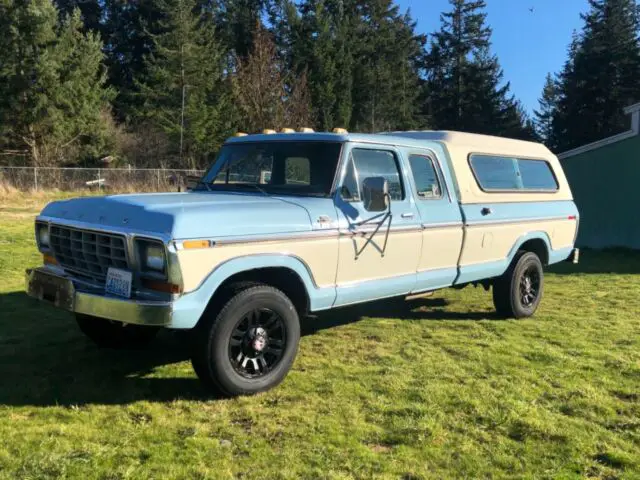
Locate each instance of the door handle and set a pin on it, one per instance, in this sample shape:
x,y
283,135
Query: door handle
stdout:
x,y
407,215
486,211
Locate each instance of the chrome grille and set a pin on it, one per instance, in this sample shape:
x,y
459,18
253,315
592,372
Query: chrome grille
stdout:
x,y
86,252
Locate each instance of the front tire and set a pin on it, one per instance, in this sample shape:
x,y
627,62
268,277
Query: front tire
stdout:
x,y
116,335
518,292
250,345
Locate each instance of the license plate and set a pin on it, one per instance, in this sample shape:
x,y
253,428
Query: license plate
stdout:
x,y
118,282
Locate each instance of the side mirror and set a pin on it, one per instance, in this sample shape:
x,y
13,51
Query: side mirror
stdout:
x,y
375,194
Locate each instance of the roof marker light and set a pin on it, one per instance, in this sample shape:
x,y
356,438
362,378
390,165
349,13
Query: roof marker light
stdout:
x,y
340,130
268,131
287,130
240,134
306,130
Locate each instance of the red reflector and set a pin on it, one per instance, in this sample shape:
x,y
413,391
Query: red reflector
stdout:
x,y
161,286
572,217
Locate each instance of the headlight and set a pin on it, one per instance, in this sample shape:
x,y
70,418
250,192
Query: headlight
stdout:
x,y
152,256
42,235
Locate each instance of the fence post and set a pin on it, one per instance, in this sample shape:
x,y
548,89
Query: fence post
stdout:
x,y
99,179
158,173
35,177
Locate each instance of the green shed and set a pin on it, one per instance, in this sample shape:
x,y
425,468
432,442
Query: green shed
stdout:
x,y
605,180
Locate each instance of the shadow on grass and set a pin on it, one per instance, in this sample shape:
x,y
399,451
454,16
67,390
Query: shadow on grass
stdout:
x,y
46,361
394,309
613,260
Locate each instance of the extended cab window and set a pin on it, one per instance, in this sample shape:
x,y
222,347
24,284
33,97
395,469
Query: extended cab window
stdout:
x,y
494,173
365,163
425,176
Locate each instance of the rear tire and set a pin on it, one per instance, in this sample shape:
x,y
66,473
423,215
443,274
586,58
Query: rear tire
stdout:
x,y
116,335
249,345
517,293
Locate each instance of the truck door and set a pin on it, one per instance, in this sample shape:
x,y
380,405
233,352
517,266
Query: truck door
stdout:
x,y
442,233
375,264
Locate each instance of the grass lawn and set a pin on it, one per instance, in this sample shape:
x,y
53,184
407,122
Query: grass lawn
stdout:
x,y
437,388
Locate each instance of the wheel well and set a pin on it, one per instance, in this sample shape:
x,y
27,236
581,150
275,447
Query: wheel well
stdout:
x,y
282,278
537,246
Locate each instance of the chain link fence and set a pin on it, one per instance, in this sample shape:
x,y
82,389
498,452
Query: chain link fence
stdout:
x,y
108,179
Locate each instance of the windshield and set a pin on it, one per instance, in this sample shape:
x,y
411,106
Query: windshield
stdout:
x,y
287,168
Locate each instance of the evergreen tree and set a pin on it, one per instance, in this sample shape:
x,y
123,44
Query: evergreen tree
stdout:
x,y
52,94
544,115
237,22
601,75
324,47
128,28
465,80
185,92
91,11
386,79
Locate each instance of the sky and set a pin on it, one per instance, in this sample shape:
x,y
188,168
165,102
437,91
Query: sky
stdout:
x,y
528,44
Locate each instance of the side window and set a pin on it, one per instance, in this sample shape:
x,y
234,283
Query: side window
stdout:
x,y
537,175
503,173
378,163
425,176
297,171
495,173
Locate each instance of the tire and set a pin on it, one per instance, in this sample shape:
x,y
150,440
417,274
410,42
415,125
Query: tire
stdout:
x,y
513,295
116,335
249,345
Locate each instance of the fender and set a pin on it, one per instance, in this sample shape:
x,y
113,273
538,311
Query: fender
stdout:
x,y
189,308
536,235
482,271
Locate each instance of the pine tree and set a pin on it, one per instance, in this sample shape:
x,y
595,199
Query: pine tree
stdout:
x,y
601,75
127,30
545,114
386,79
465,80
185,93
324,48
90,10
52,84
237,22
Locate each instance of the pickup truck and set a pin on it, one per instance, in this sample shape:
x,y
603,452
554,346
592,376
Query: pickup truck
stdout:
x,y
284,224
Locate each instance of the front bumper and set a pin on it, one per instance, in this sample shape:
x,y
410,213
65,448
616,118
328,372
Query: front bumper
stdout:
x,y
61,292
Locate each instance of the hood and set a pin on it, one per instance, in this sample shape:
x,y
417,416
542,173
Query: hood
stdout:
x,y
186,215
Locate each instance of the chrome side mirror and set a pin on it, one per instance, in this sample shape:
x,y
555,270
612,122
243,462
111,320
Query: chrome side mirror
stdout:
x,y
375,194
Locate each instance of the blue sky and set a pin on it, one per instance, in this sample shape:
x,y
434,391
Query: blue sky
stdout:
x,y
528,44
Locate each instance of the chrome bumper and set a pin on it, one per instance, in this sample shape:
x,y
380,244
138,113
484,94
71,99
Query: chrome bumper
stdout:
x,y
61,292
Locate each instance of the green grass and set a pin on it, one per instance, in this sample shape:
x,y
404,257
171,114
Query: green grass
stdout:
x,y
437,388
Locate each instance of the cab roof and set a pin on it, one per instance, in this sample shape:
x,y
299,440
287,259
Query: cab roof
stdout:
x,y
471,142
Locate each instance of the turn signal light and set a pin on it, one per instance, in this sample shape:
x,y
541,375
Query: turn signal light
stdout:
x,y
161,286
193,244
49,260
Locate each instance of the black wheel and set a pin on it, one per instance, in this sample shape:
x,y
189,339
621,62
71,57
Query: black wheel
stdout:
x,y
250,345
518,292
109,334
